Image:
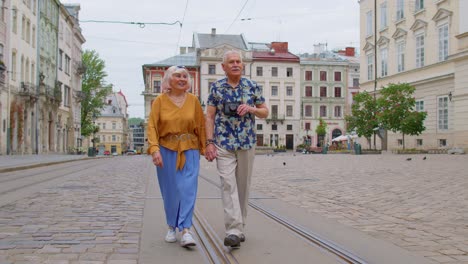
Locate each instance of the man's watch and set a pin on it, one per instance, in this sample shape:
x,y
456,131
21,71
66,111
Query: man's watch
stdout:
x,y
209,141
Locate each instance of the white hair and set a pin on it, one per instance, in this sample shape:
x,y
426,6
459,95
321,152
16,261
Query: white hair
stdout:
x,y
165,84
230,52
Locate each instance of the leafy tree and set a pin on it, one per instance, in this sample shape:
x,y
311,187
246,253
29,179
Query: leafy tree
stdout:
x,y
135,121
321,130
363,118
397,112
94,91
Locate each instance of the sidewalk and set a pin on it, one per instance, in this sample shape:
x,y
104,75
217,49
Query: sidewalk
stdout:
x,y
15,162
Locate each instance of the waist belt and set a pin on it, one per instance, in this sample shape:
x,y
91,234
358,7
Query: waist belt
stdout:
x,y
180,137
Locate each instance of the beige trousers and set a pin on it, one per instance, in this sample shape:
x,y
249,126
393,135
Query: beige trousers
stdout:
x,y
235,172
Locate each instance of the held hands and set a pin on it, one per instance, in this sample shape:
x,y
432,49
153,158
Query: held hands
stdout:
x,y
243,109
211,152
157,159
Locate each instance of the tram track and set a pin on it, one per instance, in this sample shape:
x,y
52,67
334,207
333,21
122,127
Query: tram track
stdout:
x,y
341,254
31,179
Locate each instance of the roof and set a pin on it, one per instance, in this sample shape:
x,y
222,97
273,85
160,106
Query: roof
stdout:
x,y
187,59
113,109
277,56
204,41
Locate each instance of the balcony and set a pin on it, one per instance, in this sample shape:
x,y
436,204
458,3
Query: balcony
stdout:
x,y
78,95
28,90
275,118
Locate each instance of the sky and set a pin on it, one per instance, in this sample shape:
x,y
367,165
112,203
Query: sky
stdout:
x,y
126,47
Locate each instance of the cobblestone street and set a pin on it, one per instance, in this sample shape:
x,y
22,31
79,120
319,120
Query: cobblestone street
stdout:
x,y
420,205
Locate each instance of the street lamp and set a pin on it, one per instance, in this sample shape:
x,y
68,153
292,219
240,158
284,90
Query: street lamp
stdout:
x,y
92,152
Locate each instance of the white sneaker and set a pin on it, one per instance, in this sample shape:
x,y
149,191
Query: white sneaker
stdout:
x,y
170,236
187,240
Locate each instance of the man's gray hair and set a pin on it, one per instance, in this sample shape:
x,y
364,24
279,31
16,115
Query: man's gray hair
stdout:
x,y
230,52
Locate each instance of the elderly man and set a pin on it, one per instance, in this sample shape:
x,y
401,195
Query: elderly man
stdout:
x,y
233,104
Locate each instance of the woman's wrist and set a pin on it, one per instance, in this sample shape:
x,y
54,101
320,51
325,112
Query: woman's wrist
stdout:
x,y
209,142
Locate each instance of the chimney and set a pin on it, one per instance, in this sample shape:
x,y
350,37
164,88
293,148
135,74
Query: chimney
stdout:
x,y
213,31
349,51
281,47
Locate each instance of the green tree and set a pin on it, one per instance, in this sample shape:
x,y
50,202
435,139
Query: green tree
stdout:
x,y
94,90
363,118
321,130
135,121
397,113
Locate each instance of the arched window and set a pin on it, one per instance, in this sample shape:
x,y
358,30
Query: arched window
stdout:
x,y
336,133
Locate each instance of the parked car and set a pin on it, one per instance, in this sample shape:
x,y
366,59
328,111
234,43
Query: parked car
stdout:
x,y
106,153
131,152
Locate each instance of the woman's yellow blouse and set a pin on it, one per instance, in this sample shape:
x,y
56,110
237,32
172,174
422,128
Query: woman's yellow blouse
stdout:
x,y
167,120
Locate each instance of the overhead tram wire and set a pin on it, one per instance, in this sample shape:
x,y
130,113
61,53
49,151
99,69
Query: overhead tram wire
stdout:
x,y
238,14
180,30
140,24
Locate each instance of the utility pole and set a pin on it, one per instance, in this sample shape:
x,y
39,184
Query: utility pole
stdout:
x,y
375,62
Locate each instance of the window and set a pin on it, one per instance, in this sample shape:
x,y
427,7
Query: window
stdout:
x,y
308,91
33,37
157,86
274,111
337,76
308,75
28,31
66,95
307,126
337,111
259,126
113,138
308,110
13,66
103,125
114,125
419,105
370,66
384,62
419,5
338,92
443,113
289,72
211,69
274,71
60,59
420,50
323,76
259,71
289,110
400,142
355,82
419,142
400,56
369,18
323,91
67,64
23,28
274,90
274,127
400,12
383,16
442,142
14,26
443,42
289,91
289,127
323,111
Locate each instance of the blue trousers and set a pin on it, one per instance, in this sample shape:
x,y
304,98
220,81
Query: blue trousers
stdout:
x,y
179,187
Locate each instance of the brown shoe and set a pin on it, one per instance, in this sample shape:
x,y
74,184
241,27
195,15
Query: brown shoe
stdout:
x,y
242,238
232,241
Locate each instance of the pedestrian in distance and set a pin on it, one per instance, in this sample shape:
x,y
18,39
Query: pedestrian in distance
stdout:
x,y
176,139
233,103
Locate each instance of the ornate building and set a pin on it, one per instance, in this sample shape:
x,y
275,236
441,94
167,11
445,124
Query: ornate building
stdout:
x,y
425,44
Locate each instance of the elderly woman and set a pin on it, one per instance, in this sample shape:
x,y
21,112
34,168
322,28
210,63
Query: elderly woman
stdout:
x,y
176,138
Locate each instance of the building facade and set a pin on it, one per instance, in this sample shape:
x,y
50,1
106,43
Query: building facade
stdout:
x,y
5,24
113,126
36,110
425,44
278,72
